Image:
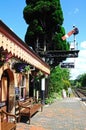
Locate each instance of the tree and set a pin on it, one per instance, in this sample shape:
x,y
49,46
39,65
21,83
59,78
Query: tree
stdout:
x,y
82,79
59,79
44,19
44,33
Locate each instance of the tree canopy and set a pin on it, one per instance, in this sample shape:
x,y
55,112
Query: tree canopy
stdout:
x,y
59,79
44,19
80,81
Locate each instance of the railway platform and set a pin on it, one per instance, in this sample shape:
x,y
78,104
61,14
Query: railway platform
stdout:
x,y
63,114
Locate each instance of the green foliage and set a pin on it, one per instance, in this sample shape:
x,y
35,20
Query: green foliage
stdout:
x,y
59,79
57,40
27,68
66,84
78,84
44,19
49,100
80,81
83,81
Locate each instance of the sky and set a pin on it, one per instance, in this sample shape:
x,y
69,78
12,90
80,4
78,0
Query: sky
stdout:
x,y
74,14
11,13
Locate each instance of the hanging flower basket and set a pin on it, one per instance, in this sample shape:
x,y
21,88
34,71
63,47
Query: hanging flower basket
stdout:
x,y
21,67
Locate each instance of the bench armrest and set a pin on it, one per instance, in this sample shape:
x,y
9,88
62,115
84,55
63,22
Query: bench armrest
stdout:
x,y
6,114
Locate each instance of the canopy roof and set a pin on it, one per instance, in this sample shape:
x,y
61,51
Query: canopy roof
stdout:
x,y
12,46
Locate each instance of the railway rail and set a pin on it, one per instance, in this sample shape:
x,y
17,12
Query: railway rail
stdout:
x,y
81,93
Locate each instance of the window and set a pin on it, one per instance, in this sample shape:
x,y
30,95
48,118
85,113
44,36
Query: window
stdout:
x,y
22,88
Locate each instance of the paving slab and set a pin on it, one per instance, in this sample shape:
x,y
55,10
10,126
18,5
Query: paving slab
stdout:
x,y
64,114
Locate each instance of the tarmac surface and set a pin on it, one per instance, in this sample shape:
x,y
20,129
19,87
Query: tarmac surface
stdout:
x,y
64,114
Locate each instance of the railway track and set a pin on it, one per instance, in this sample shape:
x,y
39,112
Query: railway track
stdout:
x,y
81,93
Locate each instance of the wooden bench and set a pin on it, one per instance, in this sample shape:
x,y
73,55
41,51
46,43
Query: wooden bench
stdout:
x,y
28,108
8,121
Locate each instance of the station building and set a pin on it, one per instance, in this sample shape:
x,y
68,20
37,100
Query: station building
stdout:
x,y
19,64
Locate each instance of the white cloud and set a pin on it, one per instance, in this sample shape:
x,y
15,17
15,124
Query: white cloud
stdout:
x,y
83,44
76,10
74,73
80,65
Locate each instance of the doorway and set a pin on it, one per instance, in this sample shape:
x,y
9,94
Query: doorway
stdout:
x,y
7,91
4,90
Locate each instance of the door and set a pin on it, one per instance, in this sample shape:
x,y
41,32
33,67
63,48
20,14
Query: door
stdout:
x,y
4,93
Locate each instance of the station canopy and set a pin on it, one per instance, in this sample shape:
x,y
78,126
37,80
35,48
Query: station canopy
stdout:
x,y
12,46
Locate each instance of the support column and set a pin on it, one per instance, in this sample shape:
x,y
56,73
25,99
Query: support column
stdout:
x,y
43,91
